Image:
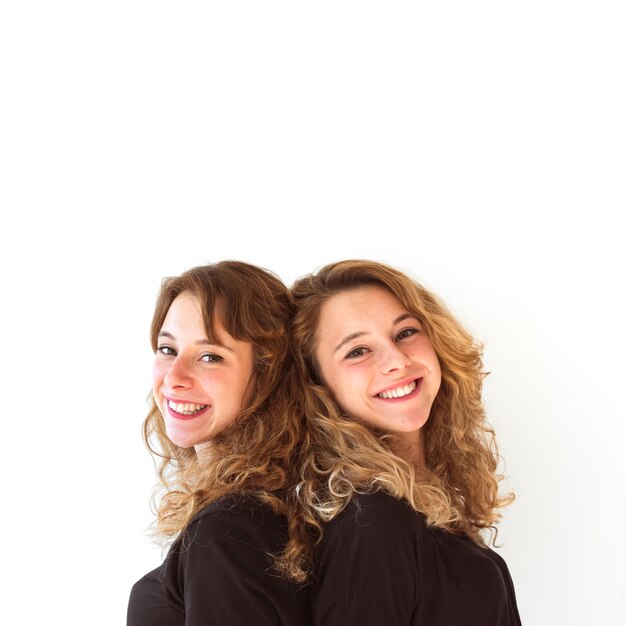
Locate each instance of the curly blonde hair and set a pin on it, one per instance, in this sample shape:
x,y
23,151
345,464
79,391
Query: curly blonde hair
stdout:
x,y
457,489
258,453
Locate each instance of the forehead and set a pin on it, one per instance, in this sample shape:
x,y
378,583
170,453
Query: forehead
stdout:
x,y
186,312
357,310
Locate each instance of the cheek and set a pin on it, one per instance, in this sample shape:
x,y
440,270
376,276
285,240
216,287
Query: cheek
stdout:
x,y
347,384
248,392
426,353
436,367
435,370
158,374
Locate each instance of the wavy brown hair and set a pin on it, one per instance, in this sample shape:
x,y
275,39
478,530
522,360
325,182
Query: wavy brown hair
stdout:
x,y
258,453
457,489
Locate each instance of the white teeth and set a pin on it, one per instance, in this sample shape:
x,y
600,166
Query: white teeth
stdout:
x,y
398,392
186,408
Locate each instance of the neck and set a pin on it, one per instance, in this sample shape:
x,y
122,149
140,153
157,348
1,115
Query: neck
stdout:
x,y
410,447
204,452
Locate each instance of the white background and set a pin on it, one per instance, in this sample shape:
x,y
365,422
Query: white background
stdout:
x,y
479,146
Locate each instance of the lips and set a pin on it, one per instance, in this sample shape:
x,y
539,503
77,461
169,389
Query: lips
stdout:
x,y
400,391
185,410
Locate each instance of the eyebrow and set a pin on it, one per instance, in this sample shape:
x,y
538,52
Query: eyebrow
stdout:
x,y
348,338
352,336
200,342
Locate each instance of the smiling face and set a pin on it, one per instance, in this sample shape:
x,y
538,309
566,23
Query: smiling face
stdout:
x,y
199,387
377,361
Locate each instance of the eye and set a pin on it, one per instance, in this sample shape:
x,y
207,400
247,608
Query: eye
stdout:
x,y
405,333
356,353
211,358
166,350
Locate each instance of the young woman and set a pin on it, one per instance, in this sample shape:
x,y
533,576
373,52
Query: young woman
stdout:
x,y
401,464
226,424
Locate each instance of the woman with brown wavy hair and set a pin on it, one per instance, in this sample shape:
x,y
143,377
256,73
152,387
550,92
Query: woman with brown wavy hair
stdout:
x,y
400,477
225,424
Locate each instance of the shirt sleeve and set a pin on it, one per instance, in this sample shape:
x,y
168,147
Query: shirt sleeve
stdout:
x,y
367,565
224,570
508,581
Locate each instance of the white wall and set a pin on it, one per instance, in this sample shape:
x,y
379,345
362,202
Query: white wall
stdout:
x,y
478,146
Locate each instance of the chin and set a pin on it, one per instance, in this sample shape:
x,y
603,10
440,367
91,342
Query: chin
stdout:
x,y
182,440
181,443
415,425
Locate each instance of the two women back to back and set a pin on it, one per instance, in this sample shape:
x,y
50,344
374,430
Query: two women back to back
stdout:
x,y
347,484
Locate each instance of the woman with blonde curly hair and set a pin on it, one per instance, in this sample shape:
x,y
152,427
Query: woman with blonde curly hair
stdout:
x,y
400,477
226,425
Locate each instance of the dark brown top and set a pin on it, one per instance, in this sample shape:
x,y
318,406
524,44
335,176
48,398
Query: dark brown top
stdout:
x,y
379,564
219,573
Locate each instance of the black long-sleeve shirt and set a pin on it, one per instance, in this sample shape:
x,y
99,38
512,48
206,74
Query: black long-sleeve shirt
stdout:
x,y
379,564
219,573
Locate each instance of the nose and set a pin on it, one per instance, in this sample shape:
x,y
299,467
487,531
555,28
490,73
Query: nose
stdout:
x,y
179,375
394,359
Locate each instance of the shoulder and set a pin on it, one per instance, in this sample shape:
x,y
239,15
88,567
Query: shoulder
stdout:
x,y
226,554
236,519
371,525
499,561
230,534
366,564
237,508
371,512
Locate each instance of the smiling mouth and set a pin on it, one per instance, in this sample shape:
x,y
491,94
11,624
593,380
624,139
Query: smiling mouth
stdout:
x,y
187,409
398,392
